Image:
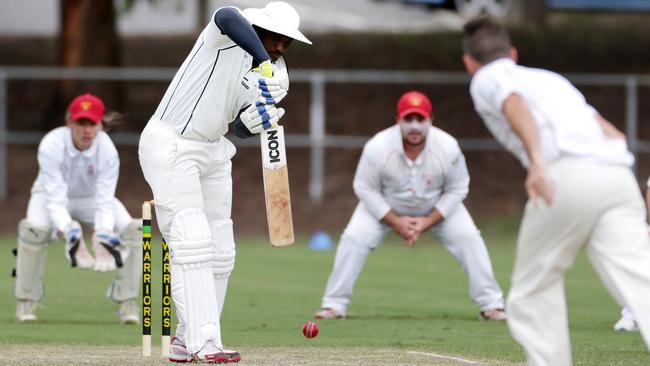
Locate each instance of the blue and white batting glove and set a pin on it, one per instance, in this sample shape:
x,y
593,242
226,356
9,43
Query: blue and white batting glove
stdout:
x,y
259,117
273,86
271,92
109,253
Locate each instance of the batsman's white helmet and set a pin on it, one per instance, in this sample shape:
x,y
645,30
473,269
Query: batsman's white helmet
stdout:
x,y
278,17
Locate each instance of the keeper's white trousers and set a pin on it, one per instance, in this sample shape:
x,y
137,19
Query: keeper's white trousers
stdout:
x,y
595,206
458,234
127,279
191,182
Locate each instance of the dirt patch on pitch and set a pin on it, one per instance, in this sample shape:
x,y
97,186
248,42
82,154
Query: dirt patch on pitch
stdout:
x,y
126,356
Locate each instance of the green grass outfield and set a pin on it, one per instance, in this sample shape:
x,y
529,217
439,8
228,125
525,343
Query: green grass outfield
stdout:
x,y
410,306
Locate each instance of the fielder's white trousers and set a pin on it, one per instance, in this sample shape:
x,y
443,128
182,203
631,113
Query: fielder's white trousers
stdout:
x,y
598,207
127,279
188,176
458,234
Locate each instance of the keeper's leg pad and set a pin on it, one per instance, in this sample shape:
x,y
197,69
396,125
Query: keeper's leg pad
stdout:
x,y
128,278
192,254
224,262
131,235
33,240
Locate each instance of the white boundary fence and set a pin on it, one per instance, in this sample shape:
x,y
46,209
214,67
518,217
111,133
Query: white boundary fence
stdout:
x,y
317,139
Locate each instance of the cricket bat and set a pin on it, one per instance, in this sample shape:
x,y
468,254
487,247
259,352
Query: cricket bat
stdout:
x,y
276,187
276,183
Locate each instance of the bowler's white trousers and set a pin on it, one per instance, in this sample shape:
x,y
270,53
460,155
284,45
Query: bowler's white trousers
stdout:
x,y
192,188
127,279
458,234
594,206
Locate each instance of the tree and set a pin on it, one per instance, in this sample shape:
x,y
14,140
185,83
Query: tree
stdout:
x,y
87,37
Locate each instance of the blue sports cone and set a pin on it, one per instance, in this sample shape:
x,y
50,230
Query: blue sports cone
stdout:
x,y
321,241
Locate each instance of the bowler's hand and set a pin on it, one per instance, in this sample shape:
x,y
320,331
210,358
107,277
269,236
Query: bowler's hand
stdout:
x,y
538,185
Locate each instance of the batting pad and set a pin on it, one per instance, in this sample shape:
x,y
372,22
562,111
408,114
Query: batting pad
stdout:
x,y
193,290
224,244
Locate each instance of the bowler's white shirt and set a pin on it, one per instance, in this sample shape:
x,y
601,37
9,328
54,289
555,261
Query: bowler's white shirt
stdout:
x,y
67,173
210,87
567,124
387,179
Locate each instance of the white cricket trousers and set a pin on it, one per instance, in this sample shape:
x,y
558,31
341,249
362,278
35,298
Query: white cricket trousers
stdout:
x,y
30,287
594,206
192,187
458,234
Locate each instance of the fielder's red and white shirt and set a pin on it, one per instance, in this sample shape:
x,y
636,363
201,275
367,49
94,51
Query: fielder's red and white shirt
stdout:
x,y
387,179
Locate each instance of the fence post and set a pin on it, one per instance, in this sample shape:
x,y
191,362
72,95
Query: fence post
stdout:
x,y
3,136
317,136
631,115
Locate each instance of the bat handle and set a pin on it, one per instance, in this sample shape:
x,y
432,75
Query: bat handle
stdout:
x,y
266,69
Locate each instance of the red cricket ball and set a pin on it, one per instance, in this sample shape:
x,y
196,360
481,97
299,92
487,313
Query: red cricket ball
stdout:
x,y
310,329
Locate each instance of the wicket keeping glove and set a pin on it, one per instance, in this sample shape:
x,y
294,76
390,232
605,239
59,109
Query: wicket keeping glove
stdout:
x,y
109,253
272,89
75,247
259,117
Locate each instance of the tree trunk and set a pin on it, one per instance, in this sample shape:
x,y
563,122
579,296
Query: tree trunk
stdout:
x,y
87,37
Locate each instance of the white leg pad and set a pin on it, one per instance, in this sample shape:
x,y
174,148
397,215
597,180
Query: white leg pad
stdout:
x,y
192,254
224,244
224,262
30,263
128,278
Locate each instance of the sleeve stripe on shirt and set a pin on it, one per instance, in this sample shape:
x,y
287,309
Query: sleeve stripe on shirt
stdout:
x,y
180,80
205,86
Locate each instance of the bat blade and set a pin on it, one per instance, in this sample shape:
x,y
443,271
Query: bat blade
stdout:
x,y
276,187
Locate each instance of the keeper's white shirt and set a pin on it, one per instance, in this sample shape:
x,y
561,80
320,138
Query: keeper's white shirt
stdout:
x,y
210,87
567,124
386,179
67,173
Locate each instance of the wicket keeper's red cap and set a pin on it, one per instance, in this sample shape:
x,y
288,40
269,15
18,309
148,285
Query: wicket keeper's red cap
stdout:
x,y
86,106
414,102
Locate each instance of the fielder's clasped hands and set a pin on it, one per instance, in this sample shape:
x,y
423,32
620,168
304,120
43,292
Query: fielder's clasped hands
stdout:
x,y
109,253
259,117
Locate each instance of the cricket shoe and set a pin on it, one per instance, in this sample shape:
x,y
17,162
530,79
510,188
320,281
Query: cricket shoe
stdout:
x,y
26,310
626,324
327,313
129,312
178,353
493,315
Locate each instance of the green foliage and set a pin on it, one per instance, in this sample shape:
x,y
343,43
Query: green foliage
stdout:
x,y
408,299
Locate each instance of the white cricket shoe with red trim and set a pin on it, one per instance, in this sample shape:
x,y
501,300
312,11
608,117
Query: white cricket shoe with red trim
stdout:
x,y
178,353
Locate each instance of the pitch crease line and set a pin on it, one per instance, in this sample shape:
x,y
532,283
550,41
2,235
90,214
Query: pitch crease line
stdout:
x,y
445,357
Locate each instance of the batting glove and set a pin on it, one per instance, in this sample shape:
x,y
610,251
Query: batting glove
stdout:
x,y
75,247
109,253
272,89
259,117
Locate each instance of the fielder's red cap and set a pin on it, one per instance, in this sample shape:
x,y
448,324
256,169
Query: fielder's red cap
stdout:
x,y
87,106
414,102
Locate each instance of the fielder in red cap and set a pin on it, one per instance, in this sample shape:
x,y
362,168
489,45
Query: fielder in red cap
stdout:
x,y
412,179
77,177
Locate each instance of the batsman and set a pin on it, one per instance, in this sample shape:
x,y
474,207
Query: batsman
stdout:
x,y
186,159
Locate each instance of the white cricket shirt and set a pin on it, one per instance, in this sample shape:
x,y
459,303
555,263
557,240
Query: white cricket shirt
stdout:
x,y
567,124
387,179
65,172
202,98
